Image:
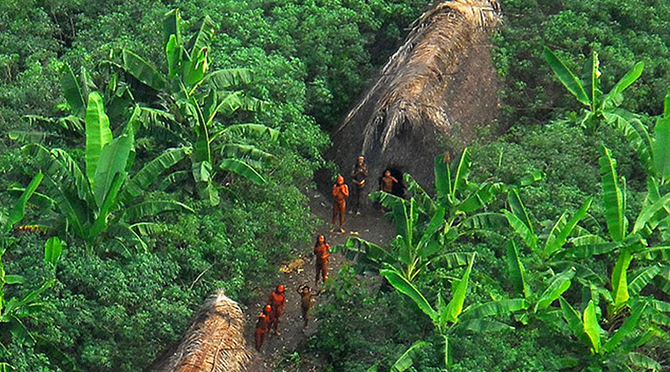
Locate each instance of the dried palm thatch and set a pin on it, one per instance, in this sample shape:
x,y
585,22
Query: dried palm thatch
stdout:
x,y
412,84
437,77
213,343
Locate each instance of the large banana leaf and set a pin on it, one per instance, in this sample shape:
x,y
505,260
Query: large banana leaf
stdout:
x,y
455,306
19,210
401,284
149,173
125,232
72,91
425,204
405,361
243,169
494,308
480,198
644,362
591,327
202,38
566,77
359,250
173,54
256,130
109,202
619,278
650,214
626,328
153,208
612,196
424,249
171,25
172,41
483,326
558,284
113,161
636,134
661,149
142,70
461,173
516,270
98,133
559,234
452,260
246,152
574,321
626,81
522,230
67,185
226,78
442,179
53,249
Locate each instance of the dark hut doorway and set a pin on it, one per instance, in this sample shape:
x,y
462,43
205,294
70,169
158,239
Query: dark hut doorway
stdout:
x,y
398,188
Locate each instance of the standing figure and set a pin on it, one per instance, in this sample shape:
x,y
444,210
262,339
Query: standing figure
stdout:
x,y
277,300
359,174
387,182
321,254
262,326
340,193
306,302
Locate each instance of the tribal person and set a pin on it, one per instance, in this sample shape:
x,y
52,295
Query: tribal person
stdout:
x,y
321,254
276,300
262,326
340,193
359,174
306,302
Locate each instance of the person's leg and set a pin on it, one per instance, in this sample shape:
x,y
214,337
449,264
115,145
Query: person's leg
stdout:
x,y
259,339
305,315
342,208
324,271
318,272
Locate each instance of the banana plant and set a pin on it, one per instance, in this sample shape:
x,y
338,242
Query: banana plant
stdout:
x,y
599,108
193,99
613,349
450,318
103,198
426,226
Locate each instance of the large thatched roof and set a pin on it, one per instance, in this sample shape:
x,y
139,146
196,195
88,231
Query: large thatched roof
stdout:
x,y
213,343
440,76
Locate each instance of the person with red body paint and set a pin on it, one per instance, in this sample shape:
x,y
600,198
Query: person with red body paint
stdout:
x,y
340,193
262,326
276,301
321,254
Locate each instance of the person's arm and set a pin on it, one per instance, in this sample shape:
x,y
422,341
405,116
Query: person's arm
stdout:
x,y
394,179
345,190
335,190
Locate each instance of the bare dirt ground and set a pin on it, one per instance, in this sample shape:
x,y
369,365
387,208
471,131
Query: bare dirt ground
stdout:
x,y
370,226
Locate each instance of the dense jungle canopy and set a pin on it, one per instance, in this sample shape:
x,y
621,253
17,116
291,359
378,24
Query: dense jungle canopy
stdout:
x,y
153,153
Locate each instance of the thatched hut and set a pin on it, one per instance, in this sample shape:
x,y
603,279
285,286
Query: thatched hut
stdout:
x,y
442,75
214,342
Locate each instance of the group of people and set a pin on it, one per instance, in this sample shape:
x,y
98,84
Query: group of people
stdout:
x,y
359,175
269,318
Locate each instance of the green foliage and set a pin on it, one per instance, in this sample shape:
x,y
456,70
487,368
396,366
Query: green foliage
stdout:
x,y
96,203
623,34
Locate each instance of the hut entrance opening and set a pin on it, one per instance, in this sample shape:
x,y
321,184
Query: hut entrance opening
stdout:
x,y
397,188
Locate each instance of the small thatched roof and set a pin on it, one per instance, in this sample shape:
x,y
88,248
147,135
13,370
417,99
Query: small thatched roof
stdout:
x,y
214,342
440,76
